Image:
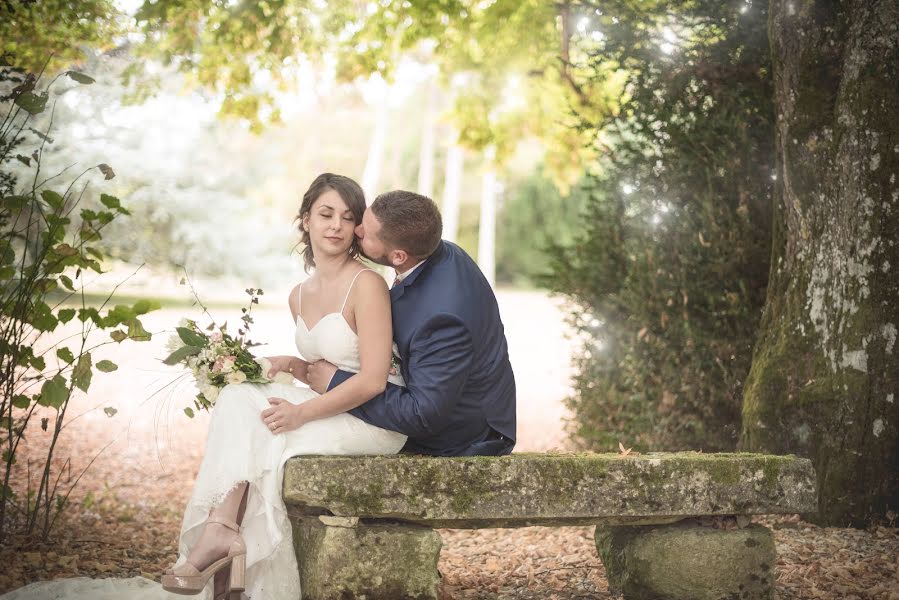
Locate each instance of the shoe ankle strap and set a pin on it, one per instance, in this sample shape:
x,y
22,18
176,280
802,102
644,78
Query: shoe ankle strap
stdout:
x,y
223,521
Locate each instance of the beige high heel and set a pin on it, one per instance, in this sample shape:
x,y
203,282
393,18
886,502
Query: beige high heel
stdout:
x,y
188,580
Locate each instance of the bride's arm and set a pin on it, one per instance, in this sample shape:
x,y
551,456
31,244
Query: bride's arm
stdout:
x,y
371,308
294,365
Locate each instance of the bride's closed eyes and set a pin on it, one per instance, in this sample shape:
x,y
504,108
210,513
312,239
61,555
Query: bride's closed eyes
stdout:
x,y
327,214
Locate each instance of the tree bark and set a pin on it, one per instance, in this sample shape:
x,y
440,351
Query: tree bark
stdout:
x,y
824,381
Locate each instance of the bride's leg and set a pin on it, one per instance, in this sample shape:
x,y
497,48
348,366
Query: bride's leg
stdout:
x,y
216,538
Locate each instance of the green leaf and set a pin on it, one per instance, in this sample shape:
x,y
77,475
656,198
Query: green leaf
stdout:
x,y
32,102
15,203
142,307
137,332
54,392
189,412
66,354
90,313
66,314
38,363
53,199
190,337
21,401
43,319
107,366
82,374
180,354
118,336
110,411
24,159
120,313
80,77
110,201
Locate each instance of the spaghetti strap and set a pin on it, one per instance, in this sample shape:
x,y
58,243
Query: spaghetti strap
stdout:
x,y
299,299
350,289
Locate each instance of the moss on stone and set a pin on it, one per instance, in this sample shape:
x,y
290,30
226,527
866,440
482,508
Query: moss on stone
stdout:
x,y
376,562
688,561
531,489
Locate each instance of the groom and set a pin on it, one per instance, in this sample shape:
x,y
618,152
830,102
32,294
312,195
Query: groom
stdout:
x,y
459,398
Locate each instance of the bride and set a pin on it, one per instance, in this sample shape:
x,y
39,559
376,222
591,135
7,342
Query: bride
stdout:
x,y
235,528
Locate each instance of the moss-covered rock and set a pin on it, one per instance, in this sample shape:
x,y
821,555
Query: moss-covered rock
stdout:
x,y
534,489
688,562
371,562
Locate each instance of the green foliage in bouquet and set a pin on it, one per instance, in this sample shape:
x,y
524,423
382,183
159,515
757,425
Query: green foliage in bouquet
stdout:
x,y
47,246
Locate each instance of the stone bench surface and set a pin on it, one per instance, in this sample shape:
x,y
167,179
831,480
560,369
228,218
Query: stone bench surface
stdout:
x,y
548,489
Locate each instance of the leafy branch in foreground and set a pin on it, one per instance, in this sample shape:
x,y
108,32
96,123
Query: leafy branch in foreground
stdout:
x,y
46,247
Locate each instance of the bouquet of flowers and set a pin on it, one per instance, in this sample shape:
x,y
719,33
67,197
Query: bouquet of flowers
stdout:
x,y
218,358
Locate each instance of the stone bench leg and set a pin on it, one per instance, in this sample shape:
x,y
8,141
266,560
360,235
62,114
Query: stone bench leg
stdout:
x,y
341,558
687,560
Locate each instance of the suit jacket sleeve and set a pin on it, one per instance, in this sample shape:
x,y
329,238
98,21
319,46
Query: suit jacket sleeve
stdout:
x,y
438,366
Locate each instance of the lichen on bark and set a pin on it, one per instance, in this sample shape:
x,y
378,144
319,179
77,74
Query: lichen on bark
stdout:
x,y
825,369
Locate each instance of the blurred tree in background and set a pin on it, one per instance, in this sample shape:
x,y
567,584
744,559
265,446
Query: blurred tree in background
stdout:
x,y
667,278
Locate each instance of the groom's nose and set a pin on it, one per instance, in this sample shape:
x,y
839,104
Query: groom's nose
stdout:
x,y
359,231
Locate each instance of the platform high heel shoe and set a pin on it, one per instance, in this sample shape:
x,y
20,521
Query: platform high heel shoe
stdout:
x,y
188,580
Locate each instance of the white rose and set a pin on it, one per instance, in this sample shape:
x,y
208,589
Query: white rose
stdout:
x,y
174,342
211,393
265,363
227,365
235,377
283,377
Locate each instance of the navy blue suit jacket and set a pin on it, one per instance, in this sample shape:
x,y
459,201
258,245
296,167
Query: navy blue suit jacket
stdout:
x,y
459,398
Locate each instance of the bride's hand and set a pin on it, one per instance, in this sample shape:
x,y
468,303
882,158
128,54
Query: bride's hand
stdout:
x,y
296,367
283,416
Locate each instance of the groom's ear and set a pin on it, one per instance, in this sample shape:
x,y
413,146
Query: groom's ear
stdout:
x,y
398,257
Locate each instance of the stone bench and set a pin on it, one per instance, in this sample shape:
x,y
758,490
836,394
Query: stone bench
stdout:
x,y
364,526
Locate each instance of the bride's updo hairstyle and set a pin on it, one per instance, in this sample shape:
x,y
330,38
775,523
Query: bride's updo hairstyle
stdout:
x,y
349,191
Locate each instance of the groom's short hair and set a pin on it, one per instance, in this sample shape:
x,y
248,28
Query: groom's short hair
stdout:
x,y
409,222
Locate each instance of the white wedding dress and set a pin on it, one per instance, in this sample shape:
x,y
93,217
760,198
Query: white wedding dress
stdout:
x,y
239,448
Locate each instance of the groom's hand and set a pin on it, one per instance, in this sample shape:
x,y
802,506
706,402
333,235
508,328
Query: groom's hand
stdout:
x,y
320,374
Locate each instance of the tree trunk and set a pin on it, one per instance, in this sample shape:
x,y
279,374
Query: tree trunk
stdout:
x,y
371,175
426,152
452,189
487,223
825,375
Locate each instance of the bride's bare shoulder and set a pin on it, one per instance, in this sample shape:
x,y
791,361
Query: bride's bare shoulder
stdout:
x,y
293,300
367,280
